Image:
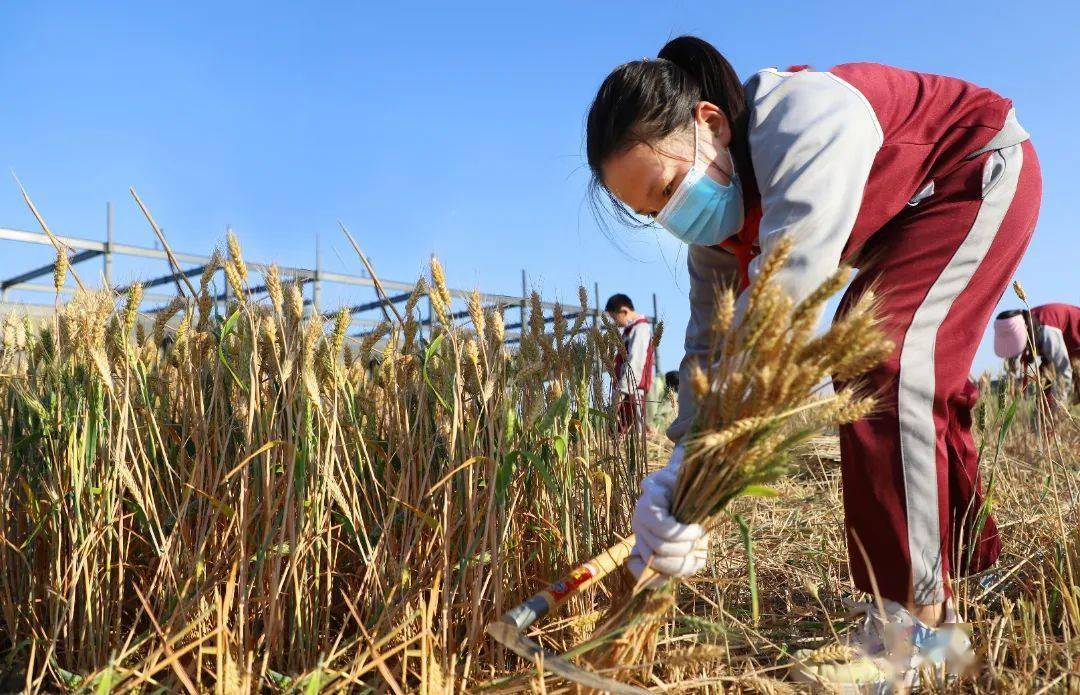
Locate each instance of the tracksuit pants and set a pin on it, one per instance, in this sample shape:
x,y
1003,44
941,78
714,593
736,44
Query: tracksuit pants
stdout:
x,y
910,473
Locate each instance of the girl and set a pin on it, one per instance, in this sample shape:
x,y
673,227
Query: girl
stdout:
x,y
1048,335
927,184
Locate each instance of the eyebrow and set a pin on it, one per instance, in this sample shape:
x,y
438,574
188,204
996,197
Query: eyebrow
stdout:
x,y
651,193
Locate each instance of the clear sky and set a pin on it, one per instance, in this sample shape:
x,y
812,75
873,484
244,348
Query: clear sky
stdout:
x,y
446,128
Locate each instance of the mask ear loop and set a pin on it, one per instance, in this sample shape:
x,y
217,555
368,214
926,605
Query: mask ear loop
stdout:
x,y
732,176
696,143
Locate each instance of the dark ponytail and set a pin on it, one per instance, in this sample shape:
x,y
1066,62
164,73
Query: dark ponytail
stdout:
x,y
646,100
719,85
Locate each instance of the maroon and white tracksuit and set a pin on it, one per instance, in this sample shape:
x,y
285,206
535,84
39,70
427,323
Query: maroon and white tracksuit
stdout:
x,y
634,373
1057,337
931,188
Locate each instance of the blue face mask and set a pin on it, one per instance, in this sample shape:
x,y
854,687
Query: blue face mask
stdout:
x,y
701,211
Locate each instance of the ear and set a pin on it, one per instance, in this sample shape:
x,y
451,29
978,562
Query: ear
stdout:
x,y
708,115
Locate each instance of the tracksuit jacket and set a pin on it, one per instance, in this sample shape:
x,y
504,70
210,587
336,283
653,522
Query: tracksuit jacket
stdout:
x,y
634,374
930,186
636,371
1058,341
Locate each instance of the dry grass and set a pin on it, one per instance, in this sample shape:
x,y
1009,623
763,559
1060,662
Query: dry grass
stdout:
x,y
248,500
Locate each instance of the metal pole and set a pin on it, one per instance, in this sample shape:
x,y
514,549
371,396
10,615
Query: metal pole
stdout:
x,y
596,302
226,291
108,244
430,322
225,281
221,300
524,294
316,286
430,313
655,318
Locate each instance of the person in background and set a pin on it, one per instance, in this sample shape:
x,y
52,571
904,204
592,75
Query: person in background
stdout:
x,y
1048,336
671,386
663,402
633,374
928,185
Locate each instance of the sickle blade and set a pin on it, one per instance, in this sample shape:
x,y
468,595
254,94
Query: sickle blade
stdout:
x,y
524,647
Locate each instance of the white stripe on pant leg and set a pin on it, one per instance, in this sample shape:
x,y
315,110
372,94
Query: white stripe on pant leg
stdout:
x,y
918,434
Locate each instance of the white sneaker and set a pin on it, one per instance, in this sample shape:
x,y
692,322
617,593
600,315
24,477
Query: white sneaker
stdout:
x,y
889,650
905,647
840,669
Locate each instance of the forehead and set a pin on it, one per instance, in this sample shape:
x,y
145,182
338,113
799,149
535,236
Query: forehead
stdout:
x,y
636,173
631,173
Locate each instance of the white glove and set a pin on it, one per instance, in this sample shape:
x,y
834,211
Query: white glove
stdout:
x,y
670,548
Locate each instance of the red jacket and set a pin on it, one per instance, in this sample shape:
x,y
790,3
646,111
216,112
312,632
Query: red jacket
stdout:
x,y
1066,319
836,155
1057,340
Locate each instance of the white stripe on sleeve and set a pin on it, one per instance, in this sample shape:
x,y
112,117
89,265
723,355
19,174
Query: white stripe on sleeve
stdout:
x,y
813,140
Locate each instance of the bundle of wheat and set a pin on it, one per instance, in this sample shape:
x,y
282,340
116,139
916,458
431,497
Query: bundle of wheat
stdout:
x,y
759,395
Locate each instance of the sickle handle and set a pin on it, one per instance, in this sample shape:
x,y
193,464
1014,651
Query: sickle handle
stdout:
x,y
557,593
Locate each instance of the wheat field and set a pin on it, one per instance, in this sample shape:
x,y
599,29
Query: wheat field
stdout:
x,y
198,500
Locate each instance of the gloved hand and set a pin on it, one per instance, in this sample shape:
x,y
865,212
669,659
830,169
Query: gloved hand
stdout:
x,y
670,548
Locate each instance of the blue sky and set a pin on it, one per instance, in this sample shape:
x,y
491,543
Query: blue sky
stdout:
x,y
454,129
